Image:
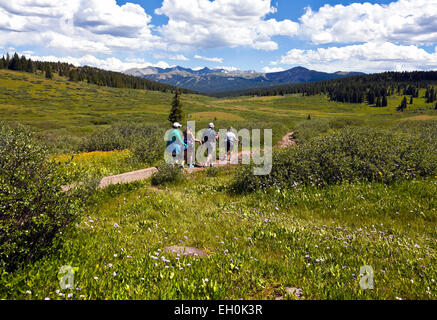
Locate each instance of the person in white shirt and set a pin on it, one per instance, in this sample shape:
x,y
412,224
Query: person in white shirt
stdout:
x,y
231,138
210,137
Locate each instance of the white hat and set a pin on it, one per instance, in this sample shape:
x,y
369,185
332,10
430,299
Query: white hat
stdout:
x,y
177,125
211,125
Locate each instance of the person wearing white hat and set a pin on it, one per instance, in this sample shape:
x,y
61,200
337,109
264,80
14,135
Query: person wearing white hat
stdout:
x,y
175,143
210,137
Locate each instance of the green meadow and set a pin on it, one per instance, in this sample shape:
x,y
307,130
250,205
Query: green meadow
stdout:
x,y
256,244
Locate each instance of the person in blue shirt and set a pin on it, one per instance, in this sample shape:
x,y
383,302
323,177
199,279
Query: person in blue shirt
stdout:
x,y
175,144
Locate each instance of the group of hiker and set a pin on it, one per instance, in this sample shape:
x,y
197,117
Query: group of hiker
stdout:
x,y
181,147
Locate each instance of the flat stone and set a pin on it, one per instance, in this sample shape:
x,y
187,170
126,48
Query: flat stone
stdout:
x,y
128,177
186,251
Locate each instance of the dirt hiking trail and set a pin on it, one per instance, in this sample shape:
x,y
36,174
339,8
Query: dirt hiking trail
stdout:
x,y
287,141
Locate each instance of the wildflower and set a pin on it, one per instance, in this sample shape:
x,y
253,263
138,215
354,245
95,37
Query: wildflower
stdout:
x,y
115,255
221,242
382,271
70,295
114,274
28,292
344,267
422,266
81,296
154,258
156,265
129,257
416,246
110,265
142,279
186,238
205,280
46,298
96,278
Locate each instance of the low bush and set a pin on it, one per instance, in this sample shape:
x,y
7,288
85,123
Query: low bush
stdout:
x,y
349,154
109,139
307,130
167,173
212,172
146,141
34,208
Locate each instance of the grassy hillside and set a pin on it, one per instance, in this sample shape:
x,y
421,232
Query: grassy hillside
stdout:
x,y
80,108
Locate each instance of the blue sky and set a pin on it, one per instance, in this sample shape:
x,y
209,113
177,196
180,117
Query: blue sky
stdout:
x,y
261,35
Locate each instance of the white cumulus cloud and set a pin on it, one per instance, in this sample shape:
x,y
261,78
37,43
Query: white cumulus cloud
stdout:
x,y
219,60
179,57
222,23
371,56
406,21
76,25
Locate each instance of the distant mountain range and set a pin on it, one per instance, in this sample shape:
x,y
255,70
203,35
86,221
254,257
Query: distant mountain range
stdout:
x,y
221,80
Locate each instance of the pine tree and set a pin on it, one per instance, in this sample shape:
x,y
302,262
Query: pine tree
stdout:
x,y
176,113
411,100
384,101
378,102
431,96
74,76
435,107
403,105
29,66
49,74
15,63
371,97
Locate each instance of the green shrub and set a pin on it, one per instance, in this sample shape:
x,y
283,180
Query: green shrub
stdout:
x,y
166,174
212,172
109,139
307,130
149,146
349,154
34,210
146,141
